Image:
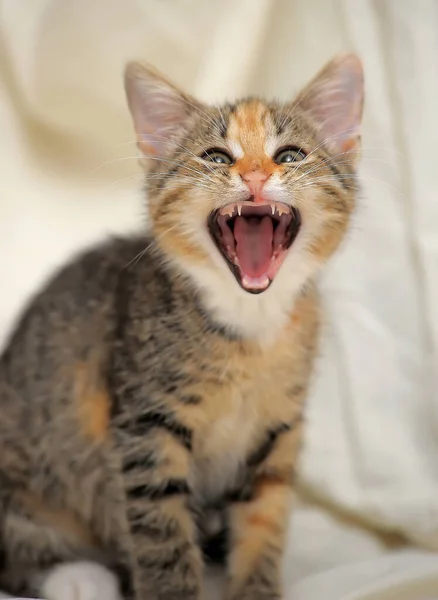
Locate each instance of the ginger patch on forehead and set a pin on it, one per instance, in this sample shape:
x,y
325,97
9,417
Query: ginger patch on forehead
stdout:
x,y
251,130
248,127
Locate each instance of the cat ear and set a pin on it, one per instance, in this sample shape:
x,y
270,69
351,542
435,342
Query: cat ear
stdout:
x,y
334,99
157,107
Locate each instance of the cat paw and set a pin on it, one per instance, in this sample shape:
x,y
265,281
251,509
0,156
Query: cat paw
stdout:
x,y
80,581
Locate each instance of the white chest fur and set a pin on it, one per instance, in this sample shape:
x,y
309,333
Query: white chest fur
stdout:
x,y
222,450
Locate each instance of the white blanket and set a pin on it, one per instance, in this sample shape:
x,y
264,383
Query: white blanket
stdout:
x,y
68,177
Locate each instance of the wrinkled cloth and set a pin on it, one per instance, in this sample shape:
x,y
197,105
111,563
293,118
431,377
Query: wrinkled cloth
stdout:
x,y
69,177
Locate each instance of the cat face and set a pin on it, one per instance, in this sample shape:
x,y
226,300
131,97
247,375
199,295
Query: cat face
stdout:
x,y
250,197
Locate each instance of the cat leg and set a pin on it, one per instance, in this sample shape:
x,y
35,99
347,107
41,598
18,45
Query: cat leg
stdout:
x,y
49,553
258,524
156,455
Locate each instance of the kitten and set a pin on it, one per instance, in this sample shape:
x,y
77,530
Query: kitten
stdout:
x,y
159,379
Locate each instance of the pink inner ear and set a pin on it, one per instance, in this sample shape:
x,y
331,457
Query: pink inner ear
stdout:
x,y
157,109
334,99
339,125
157,117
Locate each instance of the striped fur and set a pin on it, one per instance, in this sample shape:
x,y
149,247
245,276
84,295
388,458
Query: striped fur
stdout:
x,y
143,391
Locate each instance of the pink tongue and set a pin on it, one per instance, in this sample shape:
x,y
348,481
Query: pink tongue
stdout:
x,y
254,238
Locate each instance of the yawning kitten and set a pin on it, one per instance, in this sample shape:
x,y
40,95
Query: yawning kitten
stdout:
x,y
159,381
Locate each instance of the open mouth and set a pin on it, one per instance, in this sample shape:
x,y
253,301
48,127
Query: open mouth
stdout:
x,y
254,240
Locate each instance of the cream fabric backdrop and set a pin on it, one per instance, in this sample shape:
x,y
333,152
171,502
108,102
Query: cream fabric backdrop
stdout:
x,y
69,177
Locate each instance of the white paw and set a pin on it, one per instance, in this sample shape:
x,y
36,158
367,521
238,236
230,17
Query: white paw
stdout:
x,y
80,581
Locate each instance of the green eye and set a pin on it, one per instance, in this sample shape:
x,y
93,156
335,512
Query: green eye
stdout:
x,y
289,155
217,156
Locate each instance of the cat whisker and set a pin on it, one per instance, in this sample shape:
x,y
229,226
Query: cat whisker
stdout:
x,y
128,178
140,255
327,179
183,147
338,163
180,164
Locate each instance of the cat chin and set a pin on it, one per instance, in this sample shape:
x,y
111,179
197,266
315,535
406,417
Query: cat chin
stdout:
x,y
259,317
80,581
254,316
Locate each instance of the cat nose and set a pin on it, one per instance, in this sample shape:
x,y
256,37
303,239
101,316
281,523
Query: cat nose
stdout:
x,y
255,181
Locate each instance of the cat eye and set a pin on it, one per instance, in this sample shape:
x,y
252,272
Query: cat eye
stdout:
x,y
289,155
218,156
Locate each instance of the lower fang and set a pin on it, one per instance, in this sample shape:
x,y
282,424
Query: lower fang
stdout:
x,y
227,211
282,209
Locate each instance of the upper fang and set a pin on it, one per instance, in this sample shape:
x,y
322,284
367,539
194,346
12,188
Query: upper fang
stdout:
x,y
277,209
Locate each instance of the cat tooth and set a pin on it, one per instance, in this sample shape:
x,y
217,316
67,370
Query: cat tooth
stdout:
x,y
281,209
239,209
228,210
273,209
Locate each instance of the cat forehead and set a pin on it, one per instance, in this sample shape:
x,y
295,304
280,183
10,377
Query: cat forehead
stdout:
x,y
251,129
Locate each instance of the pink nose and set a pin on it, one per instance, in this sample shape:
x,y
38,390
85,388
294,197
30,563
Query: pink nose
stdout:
x,y
255,181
